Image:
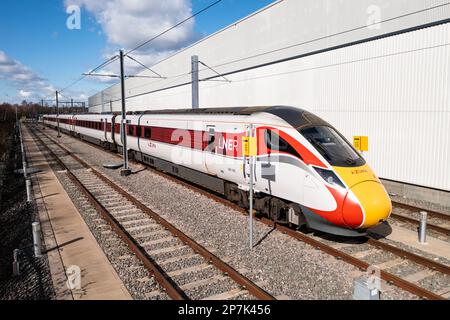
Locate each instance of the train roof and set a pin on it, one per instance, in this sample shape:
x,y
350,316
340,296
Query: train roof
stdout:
x,y
296,117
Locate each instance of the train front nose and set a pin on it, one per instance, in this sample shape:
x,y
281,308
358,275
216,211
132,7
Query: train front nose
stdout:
x,y
373,199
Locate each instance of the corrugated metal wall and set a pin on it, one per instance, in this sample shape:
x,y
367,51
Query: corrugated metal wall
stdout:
x,y
395,89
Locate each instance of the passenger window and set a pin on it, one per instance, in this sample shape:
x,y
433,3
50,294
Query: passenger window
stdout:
x,y
211,136
130,130
138,131
147,133
275,142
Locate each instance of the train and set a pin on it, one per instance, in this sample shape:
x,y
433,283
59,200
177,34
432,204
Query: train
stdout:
x,y
305,172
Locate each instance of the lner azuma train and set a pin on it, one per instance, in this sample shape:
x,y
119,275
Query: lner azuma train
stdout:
x,y
305,171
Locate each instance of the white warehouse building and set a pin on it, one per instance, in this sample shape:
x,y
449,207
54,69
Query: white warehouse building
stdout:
x,y
376,68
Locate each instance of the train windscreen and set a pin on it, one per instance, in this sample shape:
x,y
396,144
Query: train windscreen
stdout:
x,y
332,146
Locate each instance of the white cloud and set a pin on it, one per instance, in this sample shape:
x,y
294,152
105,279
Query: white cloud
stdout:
x,y
16,72
25,94
128,23
29,84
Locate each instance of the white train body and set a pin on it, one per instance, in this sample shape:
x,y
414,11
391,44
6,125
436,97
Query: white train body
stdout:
x,y
296,178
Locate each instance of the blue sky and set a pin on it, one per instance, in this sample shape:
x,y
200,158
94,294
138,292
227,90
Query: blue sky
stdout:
x,y
36,44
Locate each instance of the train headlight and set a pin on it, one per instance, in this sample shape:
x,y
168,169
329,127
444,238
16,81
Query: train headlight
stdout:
x,y
330,177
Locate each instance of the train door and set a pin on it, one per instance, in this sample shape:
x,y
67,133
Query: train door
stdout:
x,y
210,148
139,134
247,160
104,128
113,128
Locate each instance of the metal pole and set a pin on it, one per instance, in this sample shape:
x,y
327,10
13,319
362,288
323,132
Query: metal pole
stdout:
x,y
28,186
22,150
125,170
57,114
37,239
195,84
423,228
16,264
251,195
42,109
71,104
24,166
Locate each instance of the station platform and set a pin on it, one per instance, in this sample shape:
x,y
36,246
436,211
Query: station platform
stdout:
x,y
69,242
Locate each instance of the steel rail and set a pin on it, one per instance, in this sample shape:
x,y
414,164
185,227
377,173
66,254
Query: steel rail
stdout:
x,y
430,226
170,287
390,278
431,213
431,264
240,279
399,282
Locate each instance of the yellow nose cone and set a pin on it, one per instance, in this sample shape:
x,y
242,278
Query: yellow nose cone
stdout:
x,y
369,191
375,202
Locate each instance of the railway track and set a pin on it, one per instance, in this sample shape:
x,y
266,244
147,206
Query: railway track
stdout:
x,y
438,222
341,250
156,243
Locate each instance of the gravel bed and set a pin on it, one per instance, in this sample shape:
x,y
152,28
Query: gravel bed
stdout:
x,y
167,244
34,282
131,271
181,251
379,257
417,251
185,263
128,267
357,248
143,234
147,237
288,267
405,269
436,282
208,290
128,218
189,277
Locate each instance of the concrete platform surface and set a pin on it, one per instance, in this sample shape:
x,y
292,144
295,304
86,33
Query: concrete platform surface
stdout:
x,y
69,239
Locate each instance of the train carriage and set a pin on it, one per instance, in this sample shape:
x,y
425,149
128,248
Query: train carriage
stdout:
x,y
306,172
